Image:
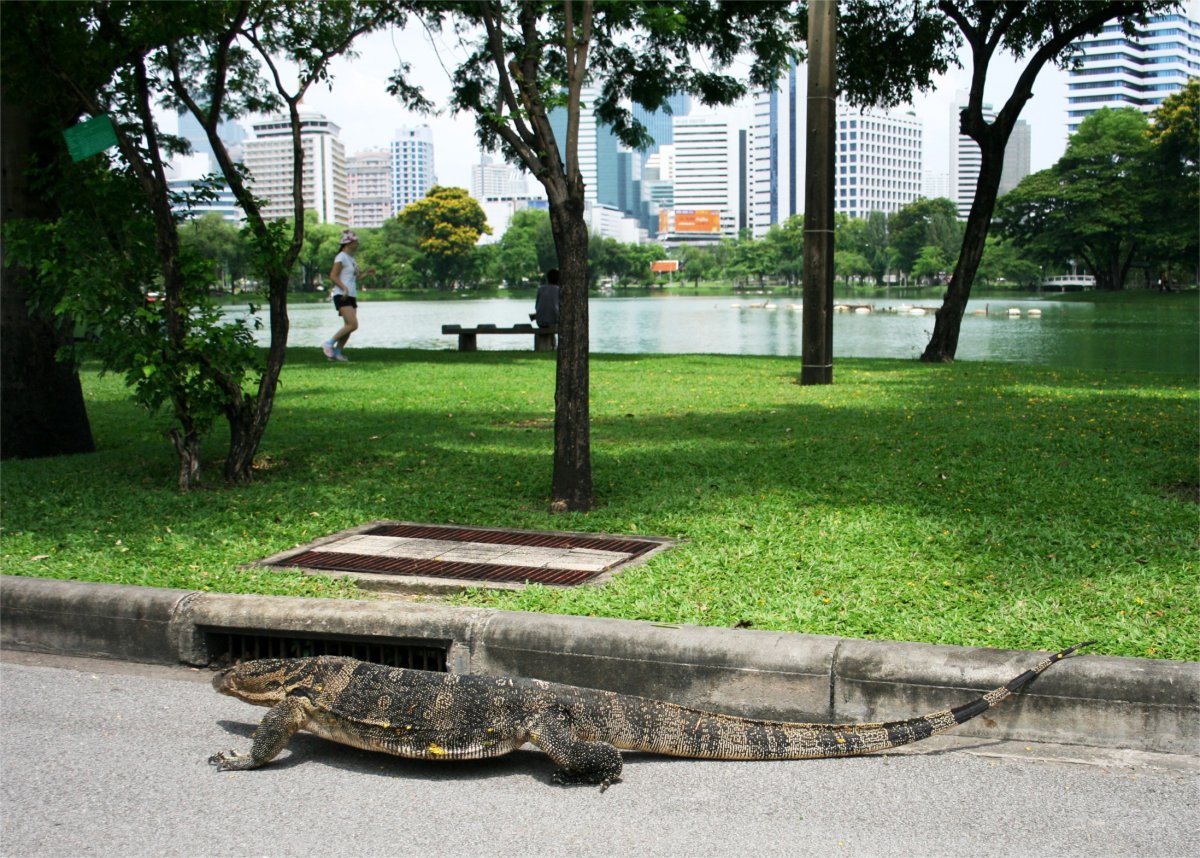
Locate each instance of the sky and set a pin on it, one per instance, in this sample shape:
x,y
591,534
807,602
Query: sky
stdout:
x,y
357,101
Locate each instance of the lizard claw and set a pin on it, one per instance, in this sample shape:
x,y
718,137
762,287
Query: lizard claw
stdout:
x,y
563,777
223,760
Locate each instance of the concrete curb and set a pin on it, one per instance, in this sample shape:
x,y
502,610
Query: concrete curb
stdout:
x,y
1101,701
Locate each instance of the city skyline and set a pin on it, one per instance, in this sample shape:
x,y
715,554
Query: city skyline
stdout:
x,y
357,101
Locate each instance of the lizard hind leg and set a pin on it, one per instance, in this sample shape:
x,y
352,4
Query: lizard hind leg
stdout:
x,y
581,761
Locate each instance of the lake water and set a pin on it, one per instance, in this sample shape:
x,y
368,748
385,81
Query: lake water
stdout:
x,y
1136,335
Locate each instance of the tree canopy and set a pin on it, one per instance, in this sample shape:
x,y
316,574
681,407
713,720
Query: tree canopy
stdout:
x,y
216,60
447,223
1040,32
1116,199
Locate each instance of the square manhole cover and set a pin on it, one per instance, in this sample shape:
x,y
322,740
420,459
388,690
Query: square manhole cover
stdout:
x,y
403,556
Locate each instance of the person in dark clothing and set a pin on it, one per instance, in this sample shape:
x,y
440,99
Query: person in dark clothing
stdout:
x,y
545,306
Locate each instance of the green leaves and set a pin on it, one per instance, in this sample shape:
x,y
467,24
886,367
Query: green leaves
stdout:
x,y
1100,204
447,223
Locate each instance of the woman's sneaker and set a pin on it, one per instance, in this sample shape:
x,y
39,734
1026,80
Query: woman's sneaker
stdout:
x,y
328,349
337,355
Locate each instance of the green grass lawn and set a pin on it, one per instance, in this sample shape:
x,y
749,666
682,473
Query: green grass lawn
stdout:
x,y
977,504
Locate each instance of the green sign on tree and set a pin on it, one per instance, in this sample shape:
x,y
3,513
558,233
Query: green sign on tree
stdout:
x,y
90,137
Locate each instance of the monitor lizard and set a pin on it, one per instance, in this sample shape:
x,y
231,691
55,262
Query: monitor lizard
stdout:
x,y
438,716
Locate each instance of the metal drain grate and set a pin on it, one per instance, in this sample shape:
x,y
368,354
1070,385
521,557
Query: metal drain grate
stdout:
x,y
624,545
339,562
387,552
229,646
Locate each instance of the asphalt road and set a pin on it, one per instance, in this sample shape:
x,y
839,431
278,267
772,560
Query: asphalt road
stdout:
x,y
109,758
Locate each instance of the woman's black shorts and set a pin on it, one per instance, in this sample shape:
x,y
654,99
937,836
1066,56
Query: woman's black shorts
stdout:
x,y
340,301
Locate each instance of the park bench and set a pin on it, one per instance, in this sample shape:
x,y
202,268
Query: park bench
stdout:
x,y
543,338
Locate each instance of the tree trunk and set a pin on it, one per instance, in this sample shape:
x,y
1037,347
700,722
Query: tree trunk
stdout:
x,y
41,400
943,344
187,447
571,487
248,418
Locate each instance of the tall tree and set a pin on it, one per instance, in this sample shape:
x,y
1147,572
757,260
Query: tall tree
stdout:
x,y
41,401
911,228
535,225
447,223
321,244
212,237
786,249
1098,204
199,52
392,250
535,56
1041,31
1175,159
119,38
874,245
214,75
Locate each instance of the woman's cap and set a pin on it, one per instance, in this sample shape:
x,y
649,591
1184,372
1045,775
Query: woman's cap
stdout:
x,y
348,235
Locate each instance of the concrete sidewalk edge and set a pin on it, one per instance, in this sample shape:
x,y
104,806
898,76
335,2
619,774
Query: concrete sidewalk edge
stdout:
x,y
1100,701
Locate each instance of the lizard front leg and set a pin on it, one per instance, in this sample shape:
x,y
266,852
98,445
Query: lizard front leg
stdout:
x,y
582,761
274,732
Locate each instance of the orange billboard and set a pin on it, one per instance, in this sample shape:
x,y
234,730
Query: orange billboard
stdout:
x,y
697,220
662,266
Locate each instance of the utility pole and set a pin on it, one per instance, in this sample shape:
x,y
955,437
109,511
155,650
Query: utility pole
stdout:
x,y
817,323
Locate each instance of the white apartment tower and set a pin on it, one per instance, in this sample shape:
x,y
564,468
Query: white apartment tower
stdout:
x,y
1018,155
658,176
965,159
707,171
878,161
777,151
589,153
935,184
497,181
1116,70
268,157
412,166
369,179
878,156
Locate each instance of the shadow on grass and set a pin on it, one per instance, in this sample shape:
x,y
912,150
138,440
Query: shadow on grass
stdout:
x,y
964,472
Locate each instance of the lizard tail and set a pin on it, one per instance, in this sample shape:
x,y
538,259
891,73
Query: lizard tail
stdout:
x,y
914,729
684,732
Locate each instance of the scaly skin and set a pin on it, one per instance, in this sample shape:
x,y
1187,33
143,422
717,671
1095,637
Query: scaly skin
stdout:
x,y
437,716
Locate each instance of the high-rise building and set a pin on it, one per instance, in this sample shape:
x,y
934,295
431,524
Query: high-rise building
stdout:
x,y
1115,70
606,180
658,177
965,157
878,160
501,191
878,156
708,179
369,180
492,180
231,132
777,148
268,157
659,122
611,173
185,172
1017,157
935,185
412,166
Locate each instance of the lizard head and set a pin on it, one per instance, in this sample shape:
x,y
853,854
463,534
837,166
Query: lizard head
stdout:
x,y
265,682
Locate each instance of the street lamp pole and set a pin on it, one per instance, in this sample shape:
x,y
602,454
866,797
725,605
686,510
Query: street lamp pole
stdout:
x,y
817,322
